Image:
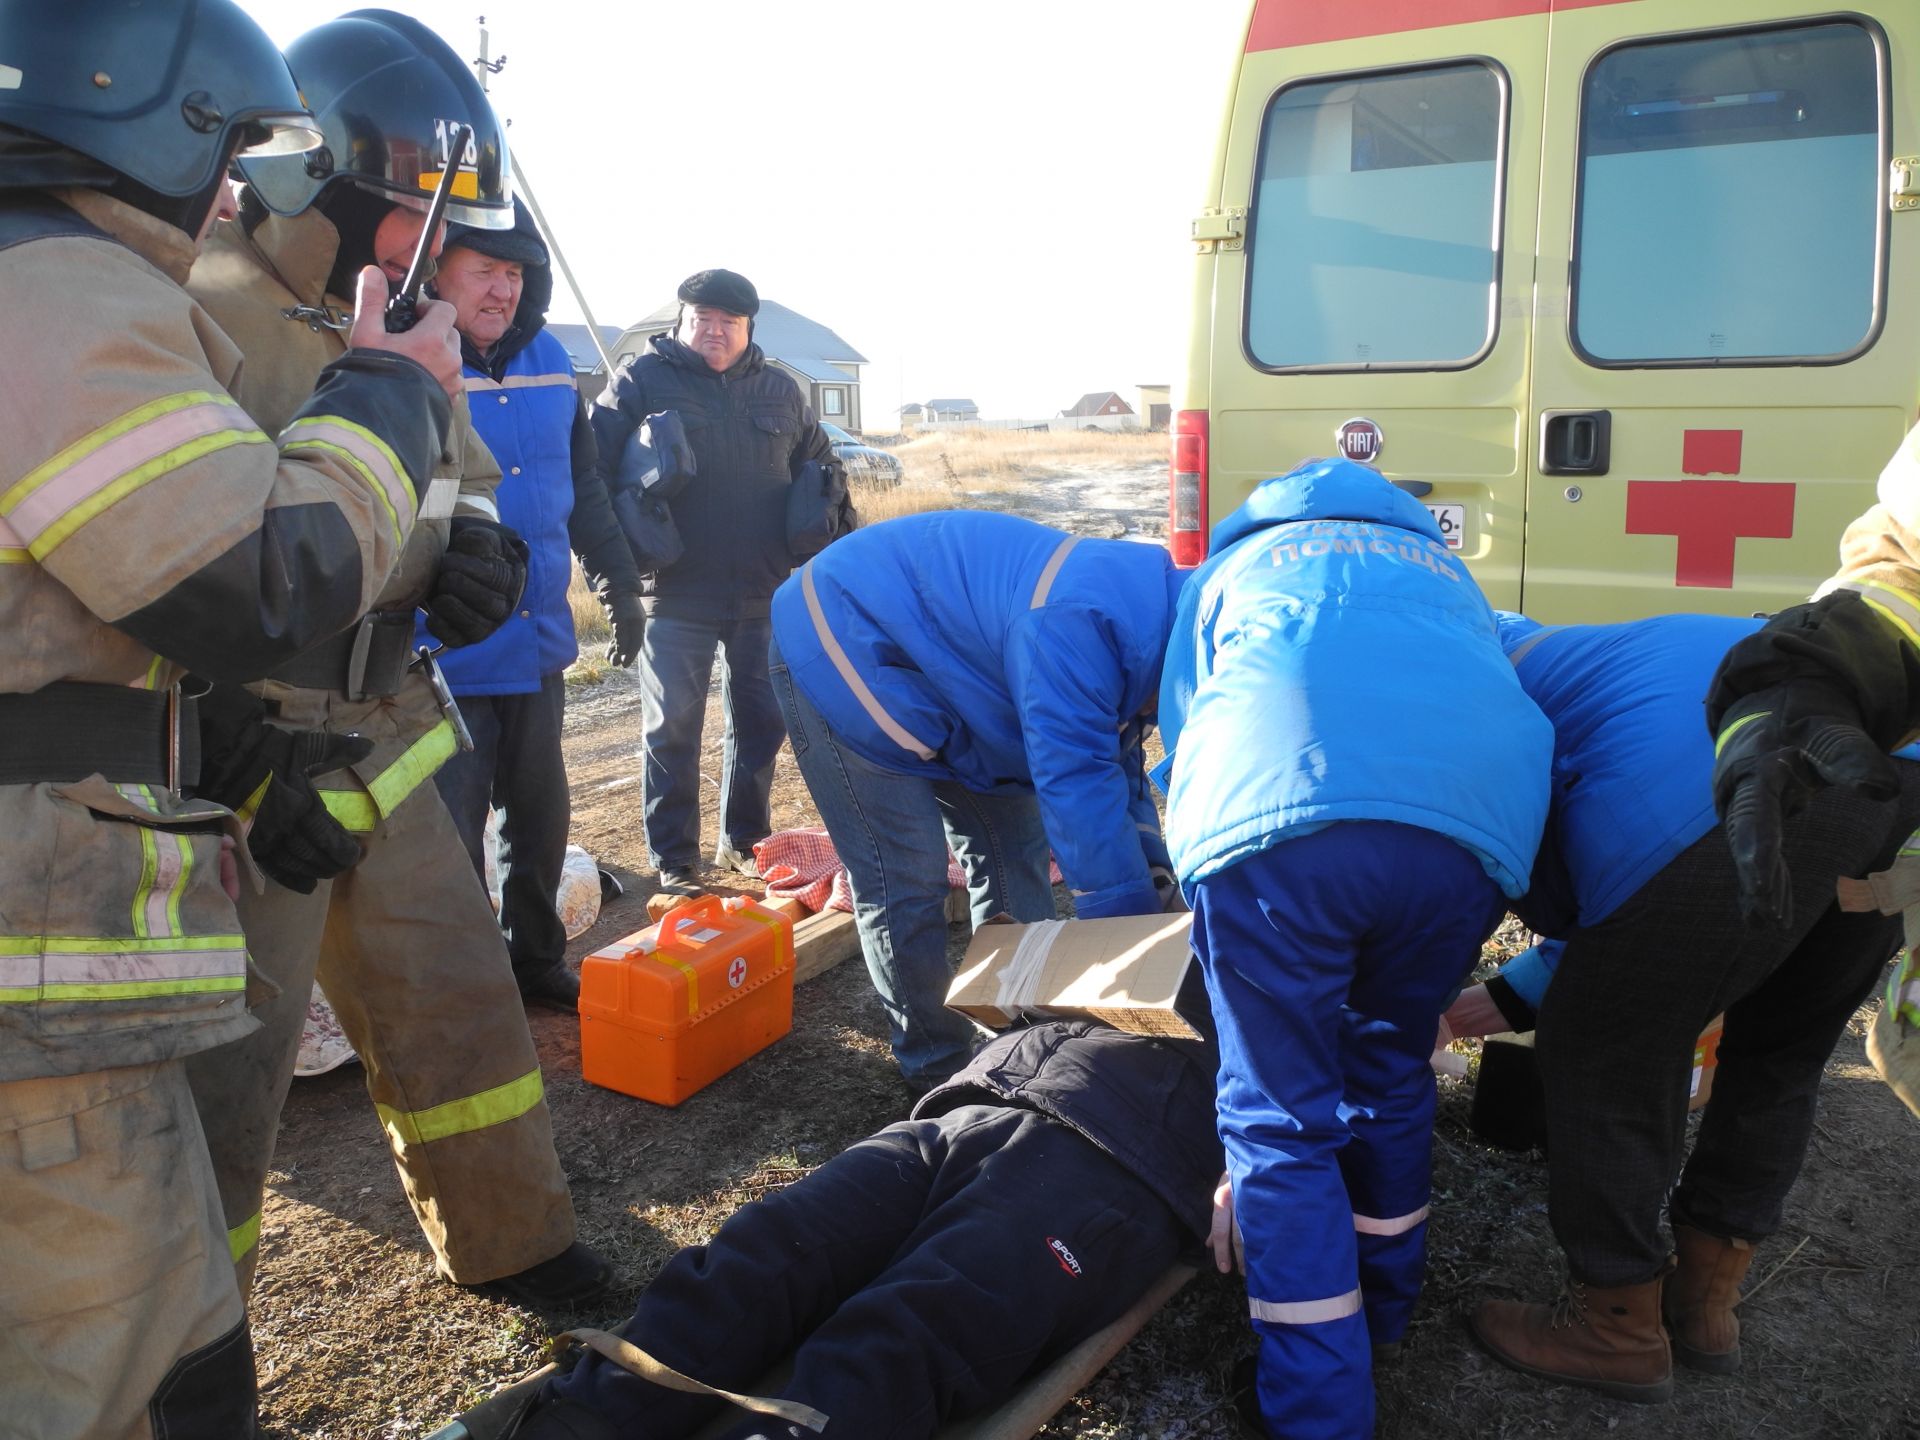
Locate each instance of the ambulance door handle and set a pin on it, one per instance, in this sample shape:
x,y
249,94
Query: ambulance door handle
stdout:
x,y
1415,488
1575,442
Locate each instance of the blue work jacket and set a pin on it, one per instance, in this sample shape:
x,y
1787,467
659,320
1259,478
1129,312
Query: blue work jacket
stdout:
x,y
1003,655
526,417
1332,661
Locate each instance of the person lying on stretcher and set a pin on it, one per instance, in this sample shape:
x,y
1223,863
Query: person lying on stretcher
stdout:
x,y
924,1273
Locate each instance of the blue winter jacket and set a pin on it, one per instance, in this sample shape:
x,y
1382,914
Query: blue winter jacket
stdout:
x,y
1632,760
1332,661
1006,656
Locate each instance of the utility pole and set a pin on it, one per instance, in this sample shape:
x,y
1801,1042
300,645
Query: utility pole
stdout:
x,y
483,68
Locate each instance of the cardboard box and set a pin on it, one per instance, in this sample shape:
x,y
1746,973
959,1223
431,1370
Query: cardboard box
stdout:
x,y
1126,972
675,1006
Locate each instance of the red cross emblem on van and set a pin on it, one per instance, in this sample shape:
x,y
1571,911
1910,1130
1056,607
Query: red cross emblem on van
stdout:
x,y
1706,517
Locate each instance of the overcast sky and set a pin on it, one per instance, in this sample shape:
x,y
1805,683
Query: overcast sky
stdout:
x,y
989,200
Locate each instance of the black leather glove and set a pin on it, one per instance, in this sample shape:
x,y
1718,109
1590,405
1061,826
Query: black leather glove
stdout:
x,y
629,621
265,774
1815,698
478,583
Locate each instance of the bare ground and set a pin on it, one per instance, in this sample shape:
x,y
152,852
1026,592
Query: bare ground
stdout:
x,y
357,1338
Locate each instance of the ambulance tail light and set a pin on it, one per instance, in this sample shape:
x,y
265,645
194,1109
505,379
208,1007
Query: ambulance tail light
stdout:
x,y
1187,485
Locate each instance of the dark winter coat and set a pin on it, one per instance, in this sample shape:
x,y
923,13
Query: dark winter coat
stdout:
x,y
1146,1102
750,429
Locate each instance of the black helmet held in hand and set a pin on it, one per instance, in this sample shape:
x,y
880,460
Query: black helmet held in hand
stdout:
x,y
148,99
389,94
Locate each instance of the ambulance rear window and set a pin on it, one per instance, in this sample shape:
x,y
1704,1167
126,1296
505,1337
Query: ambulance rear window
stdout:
x,y
1730,199
1374,221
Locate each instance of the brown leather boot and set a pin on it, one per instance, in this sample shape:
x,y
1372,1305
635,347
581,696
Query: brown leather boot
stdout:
x,y
1700,1297
1609,1340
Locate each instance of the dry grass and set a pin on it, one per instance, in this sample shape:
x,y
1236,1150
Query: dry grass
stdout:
x,y
590,625
976,460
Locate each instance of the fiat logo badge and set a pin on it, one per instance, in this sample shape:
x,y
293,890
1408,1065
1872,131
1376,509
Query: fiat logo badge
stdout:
x,y
1360,440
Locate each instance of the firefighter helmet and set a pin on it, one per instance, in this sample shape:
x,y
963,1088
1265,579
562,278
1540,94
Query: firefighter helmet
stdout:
x,y
157,92
389,94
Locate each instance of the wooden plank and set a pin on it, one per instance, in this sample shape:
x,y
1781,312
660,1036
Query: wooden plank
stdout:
x,y
1040,1396
821,942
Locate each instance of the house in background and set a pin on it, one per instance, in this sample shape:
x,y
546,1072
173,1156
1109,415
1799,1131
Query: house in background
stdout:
x,y
911,414
588,373
1099,402
826,367
952,409
1156,405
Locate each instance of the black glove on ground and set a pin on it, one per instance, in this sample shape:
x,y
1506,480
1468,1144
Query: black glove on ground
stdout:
x,y
1817,697
478,583
265,773
629,621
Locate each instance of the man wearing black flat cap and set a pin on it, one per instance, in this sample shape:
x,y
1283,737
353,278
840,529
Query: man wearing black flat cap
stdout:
x,y
749,431
511,686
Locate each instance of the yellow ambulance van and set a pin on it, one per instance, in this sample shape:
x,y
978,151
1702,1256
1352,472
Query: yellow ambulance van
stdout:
x,y
1626,291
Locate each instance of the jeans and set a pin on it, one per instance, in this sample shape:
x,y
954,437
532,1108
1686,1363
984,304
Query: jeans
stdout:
x,y
676,665
516,767
892,832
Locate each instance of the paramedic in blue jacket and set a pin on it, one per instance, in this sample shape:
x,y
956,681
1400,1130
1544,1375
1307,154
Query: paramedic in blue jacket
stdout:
x,y
520,386
981,681
1356,784
1638,883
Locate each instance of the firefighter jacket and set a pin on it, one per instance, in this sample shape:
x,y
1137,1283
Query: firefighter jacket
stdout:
x,y
1332,661
144,514
1149,1103
267,289
1003,655
750,431
528,410
1880,552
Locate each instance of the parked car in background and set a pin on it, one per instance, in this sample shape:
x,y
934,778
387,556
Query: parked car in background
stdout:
x,y
863,461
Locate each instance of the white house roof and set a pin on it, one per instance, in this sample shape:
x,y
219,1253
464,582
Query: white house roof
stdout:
x,y
579,342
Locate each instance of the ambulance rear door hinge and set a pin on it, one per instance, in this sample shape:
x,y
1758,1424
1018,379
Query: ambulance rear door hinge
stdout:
x,y
1223,228
1903,183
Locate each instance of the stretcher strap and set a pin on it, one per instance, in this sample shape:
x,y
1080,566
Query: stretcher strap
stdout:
x,y
635,1361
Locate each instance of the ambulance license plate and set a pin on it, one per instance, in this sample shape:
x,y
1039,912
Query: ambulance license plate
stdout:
x,y
1452,520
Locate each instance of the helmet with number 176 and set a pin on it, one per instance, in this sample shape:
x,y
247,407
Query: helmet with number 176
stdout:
x,y
389,95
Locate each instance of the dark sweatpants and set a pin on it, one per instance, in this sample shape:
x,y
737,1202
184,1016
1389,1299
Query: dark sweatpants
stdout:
x,y
921,1274
516,767
1618,1025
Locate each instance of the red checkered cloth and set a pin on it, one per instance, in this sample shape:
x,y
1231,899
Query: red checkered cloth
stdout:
x,y
803,865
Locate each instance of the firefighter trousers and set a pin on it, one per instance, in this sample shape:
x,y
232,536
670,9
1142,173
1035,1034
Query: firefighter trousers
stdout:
x,y
1329,959
408,953
119,1319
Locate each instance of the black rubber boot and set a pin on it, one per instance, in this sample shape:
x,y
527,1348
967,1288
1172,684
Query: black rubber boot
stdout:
x,y
553,984
574,1277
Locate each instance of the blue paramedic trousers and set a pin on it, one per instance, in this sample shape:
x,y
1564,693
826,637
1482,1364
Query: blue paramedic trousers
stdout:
x,y
916,1277
1329,959
892,832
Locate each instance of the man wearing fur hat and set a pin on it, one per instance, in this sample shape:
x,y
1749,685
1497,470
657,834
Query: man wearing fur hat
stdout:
x,y
749,431
519,382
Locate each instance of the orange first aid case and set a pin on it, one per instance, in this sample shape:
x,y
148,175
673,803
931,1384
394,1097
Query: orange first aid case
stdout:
x,y
671,1008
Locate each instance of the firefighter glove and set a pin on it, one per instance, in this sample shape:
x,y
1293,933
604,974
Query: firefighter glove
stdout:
x,y
629,621
264,774
478,583
1775,748
1814,698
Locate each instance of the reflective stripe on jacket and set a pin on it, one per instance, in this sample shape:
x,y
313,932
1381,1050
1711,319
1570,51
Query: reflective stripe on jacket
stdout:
x,y
1006,656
